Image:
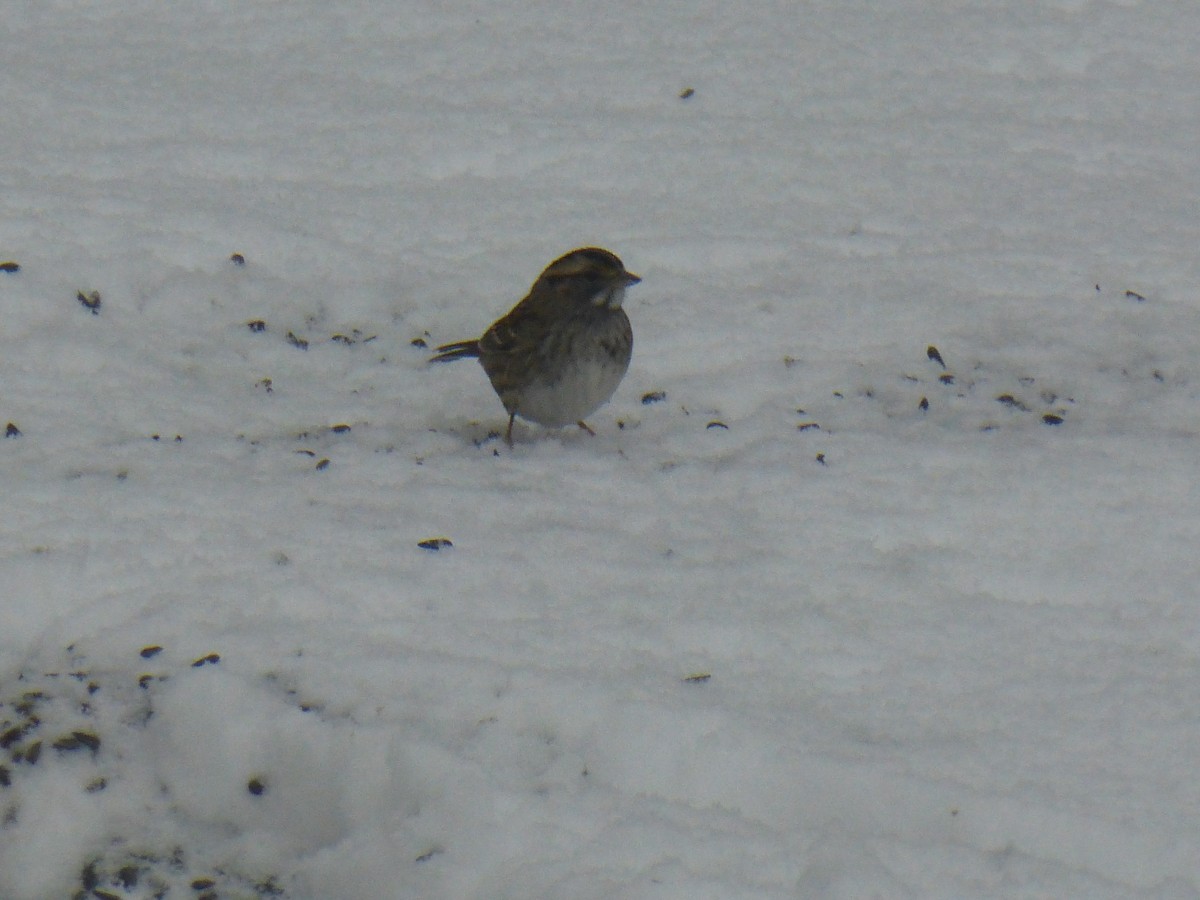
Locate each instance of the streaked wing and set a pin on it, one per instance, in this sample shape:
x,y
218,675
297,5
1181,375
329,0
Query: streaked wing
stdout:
x,y
507,348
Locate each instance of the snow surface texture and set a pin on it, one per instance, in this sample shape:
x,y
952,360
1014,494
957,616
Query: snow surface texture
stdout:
x,y
948,615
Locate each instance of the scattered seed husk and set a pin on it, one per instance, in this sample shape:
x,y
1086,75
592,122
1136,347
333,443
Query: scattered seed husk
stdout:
x,y
435,544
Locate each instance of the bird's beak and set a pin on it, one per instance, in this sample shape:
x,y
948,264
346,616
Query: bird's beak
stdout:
x,y
631,279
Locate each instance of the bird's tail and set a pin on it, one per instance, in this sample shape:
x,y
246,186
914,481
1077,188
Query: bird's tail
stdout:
x,y
459,350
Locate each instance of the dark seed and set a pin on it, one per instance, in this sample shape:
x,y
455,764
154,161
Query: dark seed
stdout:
x,y
12,431
717,425
77,740
237,259
256,786
10,737
808,426
1010,400
297,341
9,267
946,379
698,678
128,876
434,543
5,777
33,753
821,458
653,397
257,325
924,404
67,742
1134,295
97,786
1052,419
932,352
150,652
203,884
687,93
90,301
323,464
419,342
340,429
428,855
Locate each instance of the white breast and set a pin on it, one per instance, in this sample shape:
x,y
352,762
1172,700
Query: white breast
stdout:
x,y
593,369
582,389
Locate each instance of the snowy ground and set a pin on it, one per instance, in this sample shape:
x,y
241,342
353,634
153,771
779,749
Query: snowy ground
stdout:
x,y
783,633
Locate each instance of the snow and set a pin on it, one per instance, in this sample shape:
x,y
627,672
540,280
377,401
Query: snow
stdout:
x,y
709,653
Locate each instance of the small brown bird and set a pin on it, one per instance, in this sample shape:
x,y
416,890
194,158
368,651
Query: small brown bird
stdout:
x,y
560,353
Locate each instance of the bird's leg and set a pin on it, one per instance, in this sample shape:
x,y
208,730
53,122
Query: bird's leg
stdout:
x,y
584,425
508,434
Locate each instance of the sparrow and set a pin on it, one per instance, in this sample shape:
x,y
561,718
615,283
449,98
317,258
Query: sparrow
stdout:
x,y
560,353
